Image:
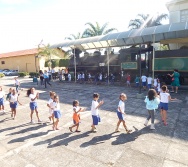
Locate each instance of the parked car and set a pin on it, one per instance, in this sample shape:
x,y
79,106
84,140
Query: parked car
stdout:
x,y
11,72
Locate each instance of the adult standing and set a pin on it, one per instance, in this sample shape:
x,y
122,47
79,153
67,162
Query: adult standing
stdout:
x,y
46,78
53,74
49,74
175,80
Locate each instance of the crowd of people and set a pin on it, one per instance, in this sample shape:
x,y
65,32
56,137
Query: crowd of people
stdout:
x,y
158,97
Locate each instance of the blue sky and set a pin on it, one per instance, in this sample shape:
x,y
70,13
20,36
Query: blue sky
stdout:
x,y
24,23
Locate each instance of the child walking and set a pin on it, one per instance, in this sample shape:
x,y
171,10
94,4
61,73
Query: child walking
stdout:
x,y
121,112
33,103
2,94
152,101
165,98
51,114
76,115
55,106
95,111
13,99
17,84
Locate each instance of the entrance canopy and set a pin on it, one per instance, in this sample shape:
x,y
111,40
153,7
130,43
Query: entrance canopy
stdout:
x,y
170,33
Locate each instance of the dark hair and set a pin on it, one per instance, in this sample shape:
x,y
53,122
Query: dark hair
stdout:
x,y
75,102
164,88
176,70
152,94
29,91
95,95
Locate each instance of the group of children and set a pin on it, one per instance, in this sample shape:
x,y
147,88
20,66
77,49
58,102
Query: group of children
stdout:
x,y
153,101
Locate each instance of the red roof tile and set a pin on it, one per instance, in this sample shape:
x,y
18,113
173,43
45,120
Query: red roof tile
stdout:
x,y
20,53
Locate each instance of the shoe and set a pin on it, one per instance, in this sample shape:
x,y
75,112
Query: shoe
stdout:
x,y
146,123
128,131
70,128
117,130
32,122
39,121
152,127
57,129
77,131
165,124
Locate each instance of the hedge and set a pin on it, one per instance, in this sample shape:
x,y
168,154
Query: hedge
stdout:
x,y
55,63
33,74
64,62
23,74
1,75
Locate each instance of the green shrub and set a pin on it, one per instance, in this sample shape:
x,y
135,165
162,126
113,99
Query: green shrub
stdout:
x,y
23,74
1,75
64,62
33,74
55,63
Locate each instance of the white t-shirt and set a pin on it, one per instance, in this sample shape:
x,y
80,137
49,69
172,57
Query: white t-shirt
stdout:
x,y
32,96
13,98
121,105
69,76
53,71
76,109
149,80
143,78
158,87
49,103
94,110
155,82
2,93
55,106
164,97
100,77
17,82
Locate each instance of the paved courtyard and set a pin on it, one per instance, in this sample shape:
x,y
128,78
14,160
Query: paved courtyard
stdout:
x,y
36,145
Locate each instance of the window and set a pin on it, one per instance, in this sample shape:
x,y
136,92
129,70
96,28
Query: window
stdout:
x,y
2,62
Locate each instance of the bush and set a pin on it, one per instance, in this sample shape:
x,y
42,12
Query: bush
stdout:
x,y
1,75
63,62
22,74
33,74
55,63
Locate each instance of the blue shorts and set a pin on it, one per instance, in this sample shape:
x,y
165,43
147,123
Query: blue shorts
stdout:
x,y
13,105
149,86
1,102
120,115
163,106
96,119
143,83
57,114
33,105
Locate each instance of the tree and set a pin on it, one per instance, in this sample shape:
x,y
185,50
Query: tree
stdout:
x,y
145,20
74,37
95,30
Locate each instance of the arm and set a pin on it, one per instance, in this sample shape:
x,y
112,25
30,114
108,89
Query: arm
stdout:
x,y
18,101
100,103
36,97
120,110
170,99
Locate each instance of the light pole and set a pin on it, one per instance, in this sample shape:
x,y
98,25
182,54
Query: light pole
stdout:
x,y
74,65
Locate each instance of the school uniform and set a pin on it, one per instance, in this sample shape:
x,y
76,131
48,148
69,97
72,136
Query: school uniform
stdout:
x,y
164,97
33,104
49,103
2,94
76,115
149,81
56,110
95,112
144,78
121,105
13,101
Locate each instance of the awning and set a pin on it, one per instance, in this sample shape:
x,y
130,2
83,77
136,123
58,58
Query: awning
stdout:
x,y
163,34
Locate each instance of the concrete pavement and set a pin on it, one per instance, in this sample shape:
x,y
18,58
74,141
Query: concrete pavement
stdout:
x,y
35,145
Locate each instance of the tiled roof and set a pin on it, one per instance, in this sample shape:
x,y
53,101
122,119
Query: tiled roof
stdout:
x,y
19,53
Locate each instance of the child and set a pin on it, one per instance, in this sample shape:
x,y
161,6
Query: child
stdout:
x,y
51,115
128,78
95,111
121,112
165,98
9,93
152,102
137,81
149,81
2,94
33,103
158,86
155,83
13,99
76,115
55,106
17,84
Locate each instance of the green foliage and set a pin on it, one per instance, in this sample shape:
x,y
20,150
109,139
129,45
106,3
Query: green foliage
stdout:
x,y
1,75
23,74
54,63
34,74
63,62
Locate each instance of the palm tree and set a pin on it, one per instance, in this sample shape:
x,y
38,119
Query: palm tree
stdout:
x,y
74,37
145,20
95,30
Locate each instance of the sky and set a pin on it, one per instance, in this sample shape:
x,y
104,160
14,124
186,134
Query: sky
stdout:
x,y
24,23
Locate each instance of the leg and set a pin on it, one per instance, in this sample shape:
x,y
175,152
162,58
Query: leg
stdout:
x,y
176,89
31,115
149,116
45,80
77,126
56,124
172,89
118,126
37,114
164,115
14,115
152,116
12,112
128,131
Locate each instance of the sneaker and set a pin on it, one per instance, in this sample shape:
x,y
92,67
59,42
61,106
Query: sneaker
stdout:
x,y
39,121
152,127
32,122
117,130
77,131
